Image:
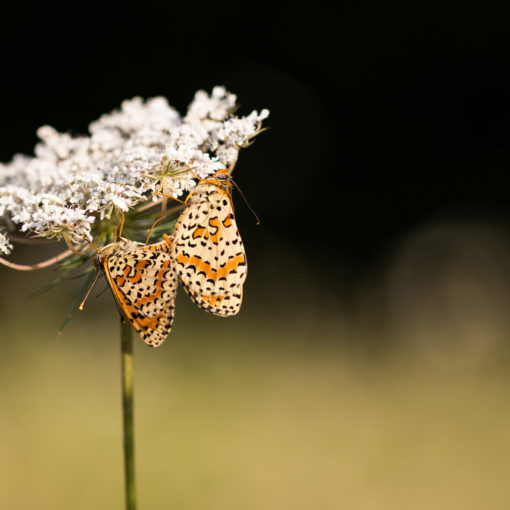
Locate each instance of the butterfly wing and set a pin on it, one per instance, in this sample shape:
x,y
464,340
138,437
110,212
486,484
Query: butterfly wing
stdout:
x,y
209,253
144,283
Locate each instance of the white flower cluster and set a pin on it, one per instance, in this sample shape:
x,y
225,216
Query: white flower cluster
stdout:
x,y
146,146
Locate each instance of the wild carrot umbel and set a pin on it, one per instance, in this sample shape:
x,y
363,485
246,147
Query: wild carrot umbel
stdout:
x,y
106,195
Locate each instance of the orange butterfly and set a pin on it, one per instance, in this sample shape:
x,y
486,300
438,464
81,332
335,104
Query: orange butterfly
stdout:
x,y
143,280
207,249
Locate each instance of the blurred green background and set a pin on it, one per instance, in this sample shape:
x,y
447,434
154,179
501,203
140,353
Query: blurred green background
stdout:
x,y
397,400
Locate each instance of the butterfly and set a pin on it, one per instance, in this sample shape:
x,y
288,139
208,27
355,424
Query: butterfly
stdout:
x,y
143,280
207,249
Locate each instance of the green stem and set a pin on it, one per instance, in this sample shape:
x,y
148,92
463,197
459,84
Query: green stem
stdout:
x,y
126,340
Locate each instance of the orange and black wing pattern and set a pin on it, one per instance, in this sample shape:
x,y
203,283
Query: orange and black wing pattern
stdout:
x,y
143,280
208,251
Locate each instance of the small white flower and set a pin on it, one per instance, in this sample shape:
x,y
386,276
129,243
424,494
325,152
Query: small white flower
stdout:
x,y
5,245
54,221
215,107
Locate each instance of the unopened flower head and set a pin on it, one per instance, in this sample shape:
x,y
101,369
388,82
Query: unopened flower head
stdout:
x,y
73,183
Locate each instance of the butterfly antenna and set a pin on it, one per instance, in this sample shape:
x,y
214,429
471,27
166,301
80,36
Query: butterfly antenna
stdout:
x,y
88,292
245,200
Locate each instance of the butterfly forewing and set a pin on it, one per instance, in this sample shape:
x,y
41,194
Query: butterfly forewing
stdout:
x,y
208,251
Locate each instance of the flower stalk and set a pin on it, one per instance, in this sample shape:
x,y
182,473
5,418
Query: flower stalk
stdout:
x,y
126,342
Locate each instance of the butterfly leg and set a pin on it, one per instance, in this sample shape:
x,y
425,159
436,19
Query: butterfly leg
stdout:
x,y
169,196
152,228
117,237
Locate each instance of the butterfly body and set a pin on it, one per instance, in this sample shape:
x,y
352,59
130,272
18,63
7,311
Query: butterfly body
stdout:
x,y
207,249
143,280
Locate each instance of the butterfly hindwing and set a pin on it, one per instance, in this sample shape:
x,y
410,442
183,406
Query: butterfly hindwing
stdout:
x,y
143,280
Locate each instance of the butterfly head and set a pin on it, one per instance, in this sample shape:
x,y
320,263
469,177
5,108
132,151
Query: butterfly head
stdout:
x,y
222,179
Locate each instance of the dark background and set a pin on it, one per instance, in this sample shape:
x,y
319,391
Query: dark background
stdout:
x,y
381,115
